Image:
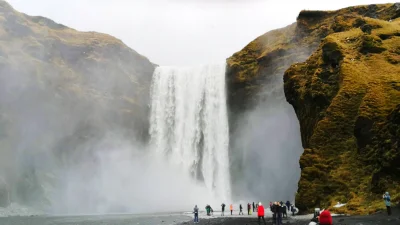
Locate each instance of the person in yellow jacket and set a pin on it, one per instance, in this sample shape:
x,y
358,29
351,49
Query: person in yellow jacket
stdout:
x,y
231,208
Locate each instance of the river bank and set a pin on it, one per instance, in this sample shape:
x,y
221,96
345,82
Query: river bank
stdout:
x,y
380,218
363,220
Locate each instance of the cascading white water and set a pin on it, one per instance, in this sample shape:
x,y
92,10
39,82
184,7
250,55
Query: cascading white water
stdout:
x,y
189,124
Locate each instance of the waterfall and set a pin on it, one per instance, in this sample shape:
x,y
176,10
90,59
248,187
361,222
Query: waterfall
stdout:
x,y
189,124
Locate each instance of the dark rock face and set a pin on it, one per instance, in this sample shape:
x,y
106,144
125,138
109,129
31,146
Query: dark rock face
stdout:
x,y
362,131
366,28
371,44
331,54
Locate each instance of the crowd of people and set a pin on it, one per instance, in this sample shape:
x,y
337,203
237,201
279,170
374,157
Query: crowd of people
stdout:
x,y
280,210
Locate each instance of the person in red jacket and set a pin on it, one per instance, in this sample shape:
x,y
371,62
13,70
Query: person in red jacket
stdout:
x,y
325,218
261,213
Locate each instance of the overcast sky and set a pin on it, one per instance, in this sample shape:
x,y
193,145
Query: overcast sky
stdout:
x,y
179,32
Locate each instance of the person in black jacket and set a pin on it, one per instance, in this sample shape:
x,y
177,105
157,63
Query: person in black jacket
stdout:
x,y
284,211
279,210
254,206
241,209
273,210
288,205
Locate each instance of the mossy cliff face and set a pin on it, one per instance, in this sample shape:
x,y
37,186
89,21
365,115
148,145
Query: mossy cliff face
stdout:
x,y
59,90
92,68
346,97
341,75
85,66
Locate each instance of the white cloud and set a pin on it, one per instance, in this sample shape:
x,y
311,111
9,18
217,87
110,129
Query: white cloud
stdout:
x,y
179,32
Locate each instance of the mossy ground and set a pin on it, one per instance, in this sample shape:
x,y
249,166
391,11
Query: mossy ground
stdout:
x,y
345,96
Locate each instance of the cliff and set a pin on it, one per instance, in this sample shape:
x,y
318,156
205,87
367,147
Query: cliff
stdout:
x,y
341,75
59,89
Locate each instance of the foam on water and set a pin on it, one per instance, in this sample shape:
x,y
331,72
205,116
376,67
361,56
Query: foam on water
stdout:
x,y
18,210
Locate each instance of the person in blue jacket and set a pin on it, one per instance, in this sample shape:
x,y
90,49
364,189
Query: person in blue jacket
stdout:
x,y
386,199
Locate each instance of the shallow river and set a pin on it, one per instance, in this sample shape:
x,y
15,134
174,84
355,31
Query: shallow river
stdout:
x,y
96,220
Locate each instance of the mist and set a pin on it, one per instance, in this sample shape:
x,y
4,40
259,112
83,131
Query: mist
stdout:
x,y
74,131
63,162
267,145
76,142
122,177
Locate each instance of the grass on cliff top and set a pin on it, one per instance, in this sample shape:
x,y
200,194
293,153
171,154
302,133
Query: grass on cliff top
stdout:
x,y
317,23
245,61
48,28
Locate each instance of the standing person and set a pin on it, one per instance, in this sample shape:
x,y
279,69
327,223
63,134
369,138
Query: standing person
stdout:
x,y
386,199
208,209
223,209
260,213
254,206
284,211
241,209
325,218
293,209
273,210
248,209
288,205
196,214
231,208
279,210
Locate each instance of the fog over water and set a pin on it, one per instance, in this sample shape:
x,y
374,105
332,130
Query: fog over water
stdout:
x,y
267,146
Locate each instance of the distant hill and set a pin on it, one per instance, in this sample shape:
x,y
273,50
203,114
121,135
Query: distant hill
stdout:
x,y
59,89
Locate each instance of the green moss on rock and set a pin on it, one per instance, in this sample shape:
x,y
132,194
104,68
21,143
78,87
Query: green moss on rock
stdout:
x,y
371,44
350,124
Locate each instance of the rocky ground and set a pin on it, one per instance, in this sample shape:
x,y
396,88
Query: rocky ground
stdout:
x,y
394,220
380,218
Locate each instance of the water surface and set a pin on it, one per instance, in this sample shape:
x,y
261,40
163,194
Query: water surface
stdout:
x,y
96,220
